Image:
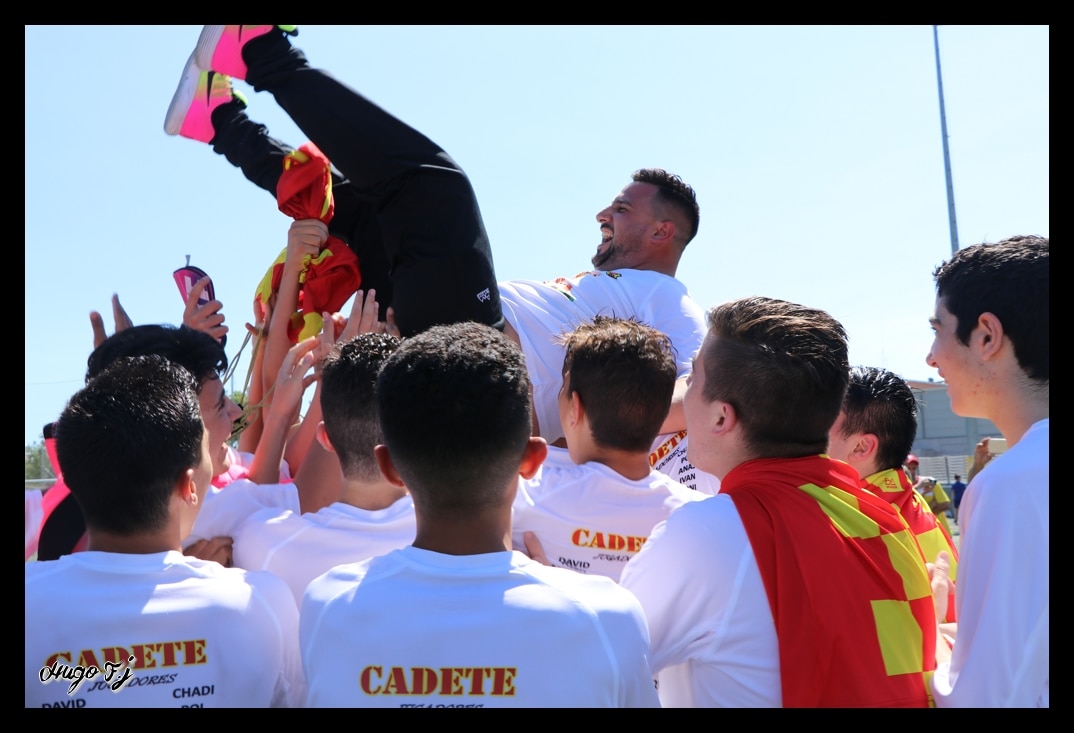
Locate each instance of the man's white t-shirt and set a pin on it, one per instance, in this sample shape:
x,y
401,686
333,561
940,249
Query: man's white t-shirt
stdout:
x,y
201,635
542,311
1001,652
415,628
588,517
299,547
713,636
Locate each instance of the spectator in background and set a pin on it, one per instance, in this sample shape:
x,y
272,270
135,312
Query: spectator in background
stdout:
x,y
957,490
912,466
939,502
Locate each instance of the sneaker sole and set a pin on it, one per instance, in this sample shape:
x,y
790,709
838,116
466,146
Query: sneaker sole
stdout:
x,y
203,52
183,97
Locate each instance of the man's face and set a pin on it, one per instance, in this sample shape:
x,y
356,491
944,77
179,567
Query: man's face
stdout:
x,y
954,362
219,414
625,227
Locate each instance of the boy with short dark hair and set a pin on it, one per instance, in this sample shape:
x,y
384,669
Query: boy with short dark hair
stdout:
x,y
991,346
133,619
372,516
873,432
813,592
593,504
456,619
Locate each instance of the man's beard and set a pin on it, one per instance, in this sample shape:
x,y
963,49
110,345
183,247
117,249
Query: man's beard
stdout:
x,y
601,258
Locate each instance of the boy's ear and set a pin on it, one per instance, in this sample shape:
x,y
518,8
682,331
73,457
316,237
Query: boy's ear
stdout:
x,y
186,489
990,333
722,417
387,466
575,409
532,457
322,437
865,447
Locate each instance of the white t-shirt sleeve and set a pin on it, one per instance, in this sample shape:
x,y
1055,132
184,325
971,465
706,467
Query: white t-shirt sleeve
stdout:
x,y
713,638
1001,653
682,321
664,580
223,510
633,653
290,690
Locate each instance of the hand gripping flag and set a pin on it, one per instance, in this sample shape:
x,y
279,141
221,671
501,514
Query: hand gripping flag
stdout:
x,y
329,280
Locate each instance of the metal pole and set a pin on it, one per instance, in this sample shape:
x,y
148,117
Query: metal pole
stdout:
x,y
946,153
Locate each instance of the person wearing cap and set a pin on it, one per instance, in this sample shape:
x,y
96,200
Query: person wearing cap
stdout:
x,y
930,490
911,466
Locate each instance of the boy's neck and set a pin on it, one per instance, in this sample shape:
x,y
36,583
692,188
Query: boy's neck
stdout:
x,y
631,465
480,533
139,544
370,496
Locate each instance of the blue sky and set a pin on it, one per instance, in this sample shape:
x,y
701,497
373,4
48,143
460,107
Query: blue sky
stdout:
x,y
815,152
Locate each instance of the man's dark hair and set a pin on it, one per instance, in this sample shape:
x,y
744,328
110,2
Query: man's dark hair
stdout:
x,y
454,404
624,373
783,367
1010,280
881,402
124,440
196,351
674,192
348,401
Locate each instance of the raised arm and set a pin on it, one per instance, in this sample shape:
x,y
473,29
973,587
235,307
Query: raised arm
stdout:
x,y
292,379
304,240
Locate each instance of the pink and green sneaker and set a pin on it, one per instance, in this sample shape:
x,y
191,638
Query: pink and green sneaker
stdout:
x,y
199,93
220,46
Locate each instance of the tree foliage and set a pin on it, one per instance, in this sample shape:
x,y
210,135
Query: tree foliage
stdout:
x,y
38,465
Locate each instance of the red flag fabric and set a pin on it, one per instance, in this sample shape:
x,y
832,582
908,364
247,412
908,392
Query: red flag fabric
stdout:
x,y
846,582
895,487
304,191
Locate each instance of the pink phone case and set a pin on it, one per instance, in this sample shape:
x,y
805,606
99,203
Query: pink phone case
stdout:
x,y
186,277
